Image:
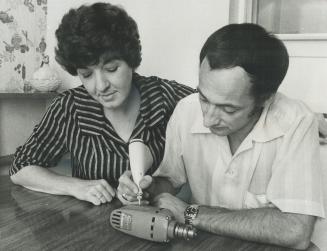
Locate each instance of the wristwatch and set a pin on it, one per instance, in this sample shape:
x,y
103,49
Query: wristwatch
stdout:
x,y
190,214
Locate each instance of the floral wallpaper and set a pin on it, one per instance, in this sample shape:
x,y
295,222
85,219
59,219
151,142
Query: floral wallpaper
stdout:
x,y
22,41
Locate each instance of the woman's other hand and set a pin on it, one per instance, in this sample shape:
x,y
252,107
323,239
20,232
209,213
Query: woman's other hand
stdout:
x,y
95,191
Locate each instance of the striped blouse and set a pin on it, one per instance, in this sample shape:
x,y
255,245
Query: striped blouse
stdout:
x,y
75,123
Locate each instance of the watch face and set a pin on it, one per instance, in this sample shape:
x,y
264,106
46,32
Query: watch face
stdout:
x,y
190,213
192,210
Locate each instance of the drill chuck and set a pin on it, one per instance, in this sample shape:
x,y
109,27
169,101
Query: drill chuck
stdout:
x,y
177,230
151,223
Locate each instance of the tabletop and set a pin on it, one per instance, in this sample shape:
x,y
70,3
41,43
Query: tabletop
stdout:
x,y
36,221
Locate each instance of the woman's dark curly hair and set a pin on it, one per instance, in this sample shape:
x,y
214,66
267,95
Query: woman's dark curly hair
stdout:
x,y
91,31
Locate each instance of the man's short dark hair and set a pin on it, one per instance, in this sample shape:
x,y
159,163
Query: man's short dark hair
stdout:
x,y
263,56
87,33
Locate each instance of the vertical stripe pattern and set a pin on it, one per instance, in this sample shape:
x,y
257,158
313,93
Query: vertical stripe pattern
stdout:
x,y
75,123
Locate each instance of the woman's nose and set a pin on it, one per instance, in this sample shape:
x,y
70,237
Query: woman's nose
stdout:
x,y
102,83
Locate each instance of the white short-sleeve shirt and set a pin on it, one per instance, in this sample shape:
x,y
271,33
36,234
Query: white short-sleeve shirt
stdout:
x,y
276,165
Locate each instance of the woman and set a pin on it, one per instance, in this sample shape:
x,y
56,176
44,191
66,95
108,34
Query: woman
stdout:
x,y
94,122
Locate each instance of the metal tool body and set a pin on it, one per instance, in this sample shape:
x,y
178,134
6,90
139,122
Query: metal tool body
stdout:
x,y
150,223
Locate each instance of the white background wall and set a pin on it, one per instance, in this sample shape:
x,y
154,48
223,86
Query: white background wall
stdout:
x,y
307,75
172,33
306,78
18,116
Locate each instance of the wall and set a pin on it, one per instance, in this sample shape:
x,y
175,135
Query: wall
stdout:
x,y
172,33
17,119
306,78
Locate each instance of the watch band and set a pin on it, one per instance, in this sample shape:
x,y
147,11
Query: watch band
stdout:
x,y
190,214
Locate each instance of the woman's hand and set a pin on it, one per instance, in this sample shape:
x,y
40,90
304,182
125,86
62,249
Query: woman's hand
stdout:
x,y
94,191
127,190
175,205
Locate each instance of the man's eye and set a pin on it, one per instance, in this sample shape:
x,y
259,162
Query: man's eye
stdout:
x,y
229,110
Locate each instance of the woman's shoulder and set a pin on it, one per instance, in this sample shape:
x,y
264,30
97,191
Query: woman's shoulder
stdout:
x,y
165,87
66,100
73,93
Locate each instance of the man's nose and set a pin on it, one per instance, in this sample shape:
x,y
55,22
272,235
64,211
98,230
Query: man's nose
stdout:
x,y
102,83
211,116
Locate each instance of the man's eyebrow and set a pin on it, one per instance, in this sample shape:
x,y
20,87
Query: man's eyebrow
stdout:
x,y
224,104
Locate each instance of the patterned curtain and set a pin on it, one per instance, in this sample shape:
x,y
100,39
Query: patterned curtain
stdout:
x,y
22,41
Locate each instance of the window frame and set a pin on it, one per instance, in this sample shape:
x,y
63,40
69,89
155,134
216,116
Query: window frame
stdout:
x,y
246,12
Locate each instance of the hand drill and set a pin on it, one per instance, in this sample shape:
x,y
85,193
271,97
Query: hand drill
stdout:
x,y
150,223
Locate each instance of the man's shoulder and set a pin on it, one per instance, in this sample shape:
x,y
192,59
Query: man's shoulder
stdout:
x,y
288,112
189,103
188,111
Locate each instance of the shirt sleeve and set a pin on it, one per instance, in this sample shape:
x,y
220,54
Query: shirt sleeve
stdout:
x,y
296,185
172,165
171,93
47,143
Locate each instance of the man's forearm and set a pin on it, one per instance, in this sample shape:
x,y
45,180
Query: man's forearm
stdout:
x,y
265,225
43,180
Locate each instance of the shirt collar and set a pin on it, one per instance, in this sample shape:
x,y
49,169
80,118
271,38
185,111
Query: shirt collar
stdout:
x,y
89,112
198,126
267,127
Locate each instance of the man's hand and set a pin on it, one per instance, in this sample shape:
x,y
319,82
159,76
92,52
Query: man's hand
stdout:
x,y
175,205
94,191
127,189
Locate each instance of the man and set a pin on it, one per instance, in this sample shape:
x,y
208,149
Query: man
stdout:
x,y
249,154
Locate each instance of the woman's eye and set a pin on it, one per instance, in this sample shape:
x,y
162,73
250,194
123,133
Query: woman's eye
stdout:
x,y
111,69
86,74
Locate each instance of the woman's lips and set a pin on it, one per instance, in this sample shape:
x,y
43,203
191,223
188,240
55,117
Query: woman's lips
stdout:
x,y
107,95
